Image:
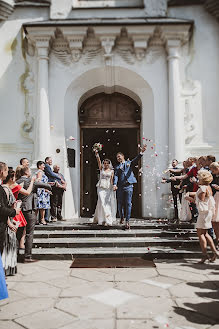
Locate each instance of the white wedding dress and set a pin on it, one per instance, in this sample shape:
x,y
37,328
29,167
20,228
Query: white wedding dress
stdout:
x,y
106,208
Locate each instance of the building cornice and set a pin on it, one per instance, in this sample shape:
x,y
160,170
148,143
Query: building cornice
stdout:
x,y
109,22
32,3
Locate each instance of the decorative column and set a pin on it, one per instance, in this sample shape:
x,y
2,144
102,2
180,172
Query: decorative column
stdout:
x,y
176,115
42,137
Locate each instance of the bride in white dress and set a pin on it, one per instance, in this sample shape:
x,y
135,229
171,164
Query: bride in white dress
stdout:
x,y
105,213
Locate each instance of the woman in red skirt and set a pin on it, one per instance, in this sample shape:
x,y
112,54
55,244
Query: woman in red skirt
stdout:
x,y
10,183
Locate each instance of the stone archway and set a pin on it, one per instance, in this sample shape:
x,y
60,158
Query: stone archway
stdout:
x,y
130,84
114,120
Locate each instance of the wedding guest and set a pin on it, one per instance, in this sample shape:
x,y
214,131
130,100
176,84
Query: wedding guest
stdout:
x,y
5,209
9,254
194,165
24,162
29,207
57,195
203,162
43,194
52,177
174,172
16,189
206,208
214,167
210,160
186,186
18,172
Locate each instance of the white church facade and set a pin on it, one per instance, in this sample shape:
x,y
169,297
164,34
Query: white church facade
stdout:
x,y
122,73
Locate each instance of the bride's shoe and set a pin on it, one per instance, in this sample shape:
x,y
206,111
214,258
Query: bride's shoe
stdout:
x,y
127,226
122,221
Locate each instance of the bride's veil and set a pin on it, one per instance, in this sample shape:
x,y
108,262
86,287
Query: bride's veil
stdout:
x,y
110,163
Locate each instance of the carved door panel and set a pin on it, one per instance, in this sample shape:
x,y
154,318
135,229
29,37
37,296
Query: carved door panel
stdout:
x,y
105,110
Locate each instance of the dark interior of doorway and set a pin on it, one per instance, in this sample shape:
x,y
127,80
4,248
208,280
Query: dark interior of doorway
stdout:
x,y
114,140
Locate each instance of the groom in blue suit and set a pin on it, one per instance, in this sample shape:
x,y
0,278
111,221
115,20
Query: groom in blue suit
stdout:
x,y
123,182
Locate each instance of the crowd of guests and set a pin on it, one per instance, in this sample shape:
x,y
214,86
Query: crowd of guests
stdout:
x,y
196,186
26,200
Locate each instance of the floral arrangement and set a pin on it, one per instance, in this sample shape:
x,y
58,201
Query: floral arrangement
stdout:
x,y
97,147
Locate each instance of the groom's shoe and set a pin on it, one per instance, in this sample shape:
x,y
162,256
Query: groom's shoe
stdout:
x,y
122,221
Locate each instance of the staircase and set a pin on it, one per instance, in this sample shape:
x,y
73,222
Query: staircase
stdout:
x,y
148,238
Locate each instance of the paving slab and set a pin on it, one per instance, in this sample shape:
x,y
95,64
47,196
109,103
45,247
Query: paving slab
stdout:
x,y
205,307
181,275
51,319
86,288
143,308
24,307
138,324
91,275
91,324
140,274
85,308
142,289
9,325
192,290
37,289
67,282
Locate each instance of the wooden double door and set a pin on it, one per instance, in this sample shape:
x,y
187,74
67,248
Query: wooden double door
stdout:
x,y
112,120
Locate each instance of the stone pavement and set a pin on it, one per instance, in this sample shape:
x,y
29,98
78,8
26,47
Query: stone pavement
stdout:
x,y
50,295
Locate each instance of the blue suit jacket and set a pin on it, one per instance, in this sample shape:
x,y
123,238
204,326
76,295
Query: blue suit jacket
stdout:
x,y
124,173
51,175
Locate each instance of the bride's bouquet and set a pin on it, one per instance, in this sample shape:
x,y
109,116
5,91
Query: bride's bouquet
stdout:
x,y
97,147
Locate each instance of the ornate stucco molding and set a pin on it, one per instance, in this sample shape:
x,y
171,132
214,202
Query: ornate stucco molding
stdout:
x,y
6,8
212,6
131,43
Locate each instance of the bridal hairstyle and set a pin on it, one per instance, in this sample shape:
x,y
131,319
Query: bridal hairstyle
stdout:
x,y
109,162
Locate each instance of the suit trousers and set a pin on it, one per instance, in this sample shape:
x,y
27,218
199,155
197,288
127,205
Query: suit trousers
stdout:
x,y
175,194
124,197
30,217
56,202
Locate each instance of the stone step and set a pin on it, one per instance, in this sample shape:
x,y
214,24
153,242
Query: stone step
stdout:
x,y
158,252
181,234
140,226
119,242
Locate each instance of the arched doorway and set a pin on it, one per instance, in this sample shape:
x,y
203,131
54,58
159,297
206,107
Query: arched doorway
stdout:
x,y
113,120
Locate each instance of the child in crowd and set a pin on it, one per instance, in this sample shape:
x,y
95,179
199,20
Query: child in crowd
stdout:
x,y
206,208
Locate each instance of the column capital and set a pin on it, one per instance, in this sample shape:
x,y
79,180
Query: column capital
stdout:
x,y
173,47
42,46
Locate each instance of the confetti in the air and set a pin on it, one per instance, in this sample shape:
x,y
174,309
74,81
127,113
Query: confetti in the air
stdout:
x,y
71,138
